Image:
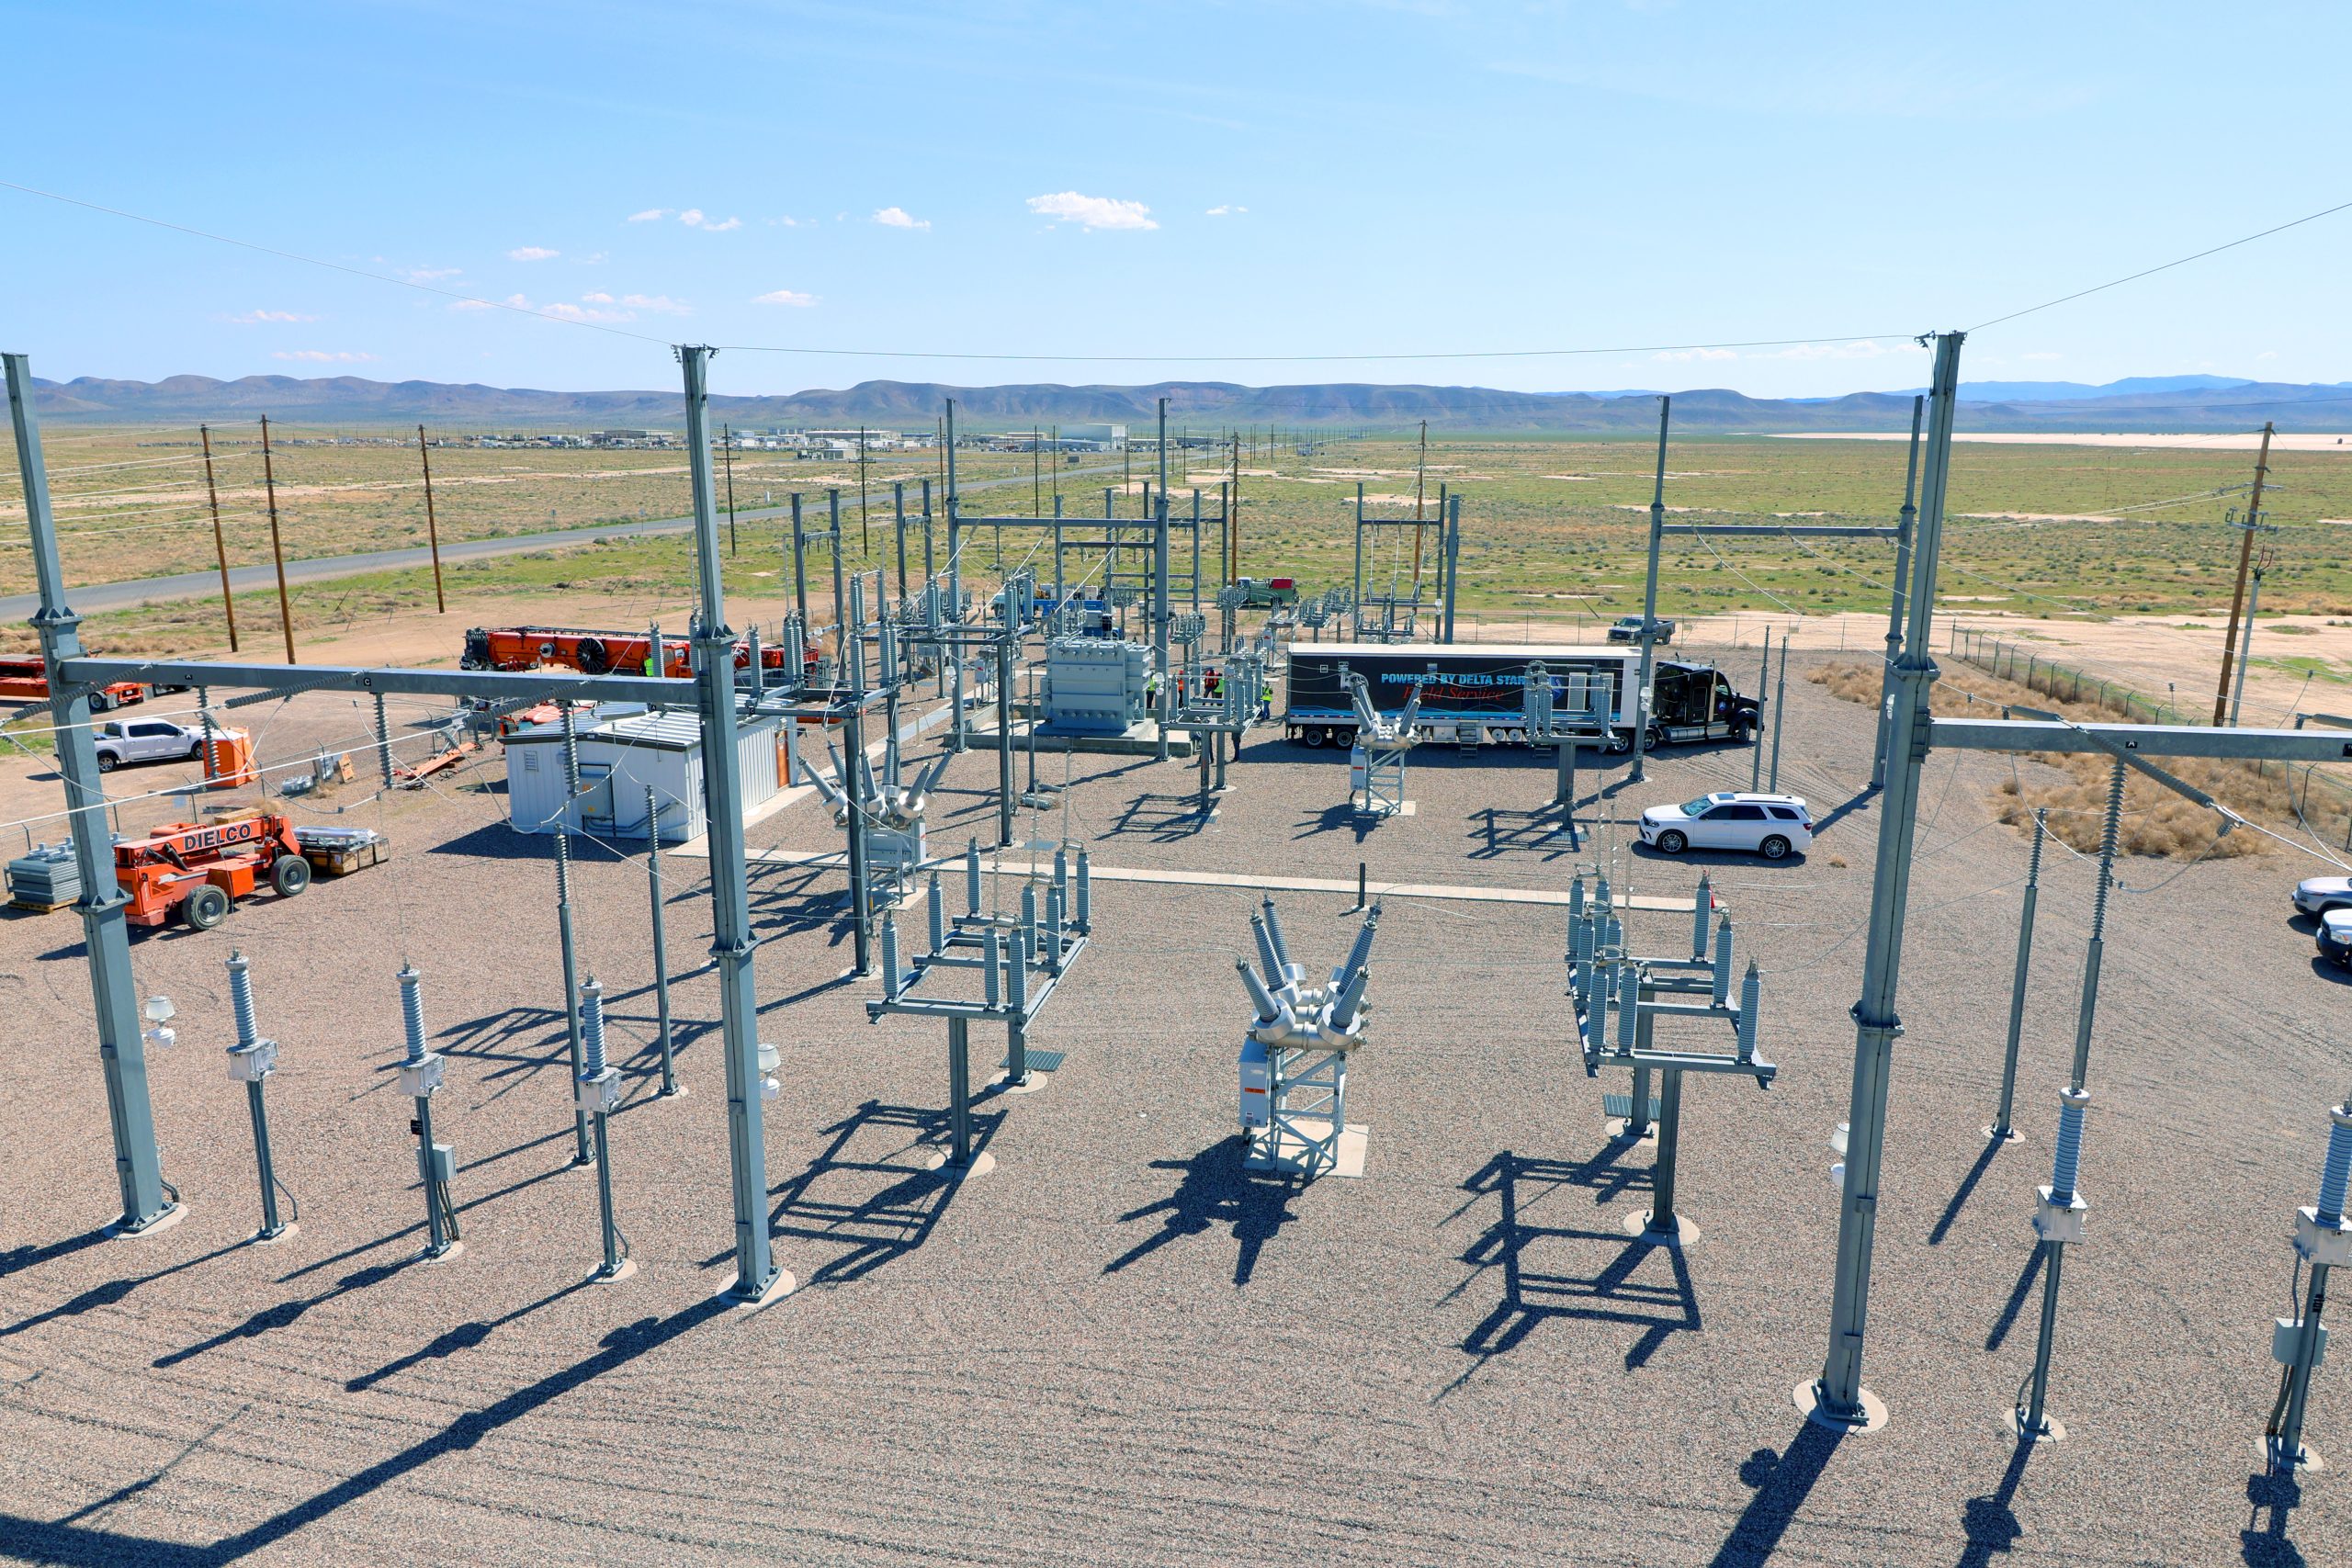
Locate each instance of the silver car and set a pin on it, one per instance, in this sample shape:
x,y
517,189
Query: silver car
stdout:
x,y
2318,895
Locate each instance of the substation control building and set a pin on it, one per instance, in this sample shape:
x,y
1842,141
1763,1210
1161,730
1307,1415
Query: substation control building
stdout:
x,y
621,757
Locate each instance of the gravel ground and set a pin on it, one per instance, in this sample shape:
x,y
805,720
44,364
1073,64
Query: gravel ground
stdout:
x,y
1115,1348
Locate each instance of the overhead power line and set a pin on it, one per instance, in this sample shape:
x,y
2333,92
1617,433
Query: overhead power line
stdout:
x,y
2167,266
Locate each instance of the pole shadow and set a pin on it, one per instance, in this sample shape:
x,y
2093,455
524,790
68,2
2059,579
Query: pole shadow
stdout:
x,y
2016,1304
1783,1482
2266,1545
1961,1194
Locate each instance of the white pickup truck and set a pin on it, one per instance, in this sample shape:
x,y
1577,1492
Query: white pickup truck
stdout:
x,y
143,741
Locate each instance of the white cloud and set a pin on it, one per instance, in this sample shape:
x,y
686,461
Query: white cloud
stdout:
x,y
517,300
661,304
650,215
2267,354
1684,356
1227,210
898,218
1093,212
789,222
252,318
694,218
531,253
319,357
783,297
431,274
564,313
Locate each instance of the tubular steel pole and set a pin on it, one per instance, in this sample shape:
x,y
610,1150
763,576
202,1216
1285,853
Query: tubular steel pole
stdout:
x,y
1837,1399
799,565
105,933
1779,707
726,452
219,544
732,942
1894,605
432,525
1649,602
1160,609
899,524
1453,562
2245,560
670,1089
1756,749
580,1152
277,547
2002,1130
2246,653
1005,735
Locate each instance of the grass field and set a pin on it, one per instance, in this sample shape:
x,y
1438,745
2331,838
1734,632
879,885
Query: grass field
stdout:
x,y
1552,530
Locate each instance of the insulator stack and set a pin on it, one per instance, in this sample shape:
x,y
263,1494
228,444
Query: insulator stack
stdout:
x,y
591,1025
1723,961
1751,996
890,956
413,1013
2334,1175
2065,1166
241,998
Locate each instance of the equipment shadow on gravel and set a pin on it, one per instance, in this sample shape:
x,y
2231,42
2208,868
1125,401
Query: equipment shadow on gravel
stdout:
x,y
866,1193
1163,818
1216,1189
1499,832
1535,1291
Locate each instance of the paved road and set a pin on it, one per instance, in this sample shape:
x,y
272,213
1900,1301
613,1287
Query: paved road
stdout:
x,y
93,598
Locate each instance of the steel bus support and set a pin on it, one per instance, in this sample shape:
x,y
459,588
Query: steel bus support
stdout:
x,y
122,1050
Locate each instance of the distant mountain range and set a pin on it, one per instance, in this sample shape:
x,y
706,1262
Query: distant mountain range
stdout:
x,y
2158,403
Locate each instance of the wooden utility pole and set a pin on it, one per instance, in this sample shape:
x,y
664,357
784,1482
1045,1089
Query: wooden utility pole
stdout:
x,y
2245,562
276,546
220,545
431,524
727,453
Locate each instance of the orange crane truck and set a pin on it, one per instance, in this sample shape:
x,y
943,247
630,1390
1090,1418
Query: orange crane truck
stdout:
x,y
595,652
200,869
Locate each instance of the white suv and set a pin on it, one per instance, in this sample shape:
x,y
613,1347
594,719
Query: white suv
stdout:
x,y
1768,825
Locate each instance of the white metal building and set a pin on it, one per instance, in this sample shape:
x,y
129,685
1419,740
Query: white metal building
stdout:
x,y
619,757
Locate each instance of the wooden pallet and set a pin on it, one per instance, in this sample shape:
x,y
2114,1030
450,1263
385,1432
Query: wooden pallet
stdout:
x,y
343,863
41,909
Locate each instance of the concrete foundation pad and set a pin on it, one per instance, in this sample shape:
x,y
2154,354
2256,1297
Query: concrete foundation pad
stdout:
x,y
1355,1141
1637,1225
162,1222
626,1270
2011,1137
1807,1401
782,1285
1138,740
1039,1081
2013,1421
285,1232
446,1253
678,1093
1615,1127
982,1163
2307,1459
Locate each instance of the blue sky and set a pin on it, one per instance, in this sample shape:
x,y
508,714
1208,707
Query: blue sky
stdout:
x,y
1174,179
